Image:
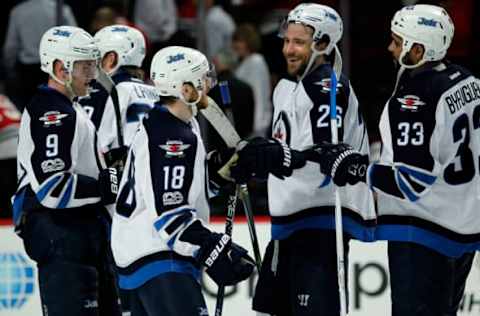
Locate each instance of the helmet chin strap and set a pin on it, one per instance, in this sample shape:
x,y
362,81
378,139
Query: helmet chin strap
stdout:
x,y
404,66
67,84
313,57
193,105
337,65
404,53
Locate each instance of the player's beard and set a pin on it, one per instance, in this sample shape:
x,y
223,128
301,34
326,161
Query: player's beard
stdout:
x,y
297,70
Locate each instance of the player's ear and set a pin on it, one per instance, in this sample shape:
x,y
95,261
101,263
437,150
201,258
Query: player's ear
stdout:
x,y
59,70
417,51
109,61
189,92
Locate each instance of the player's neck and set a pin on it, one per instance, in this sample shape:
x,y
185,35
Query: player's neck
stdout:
x,y
181,110
320,60
59,87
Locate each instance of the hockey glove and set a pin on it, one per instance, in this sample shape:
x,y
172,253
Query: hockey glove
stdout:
x,y
108,181
263,156
227,263
340,161
116,157
216,160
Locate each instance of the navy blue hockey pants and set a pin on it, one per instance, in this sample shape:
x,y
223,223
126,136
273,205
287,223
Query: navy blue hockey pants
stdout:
x,y
425,282
169,294
75,270
299,275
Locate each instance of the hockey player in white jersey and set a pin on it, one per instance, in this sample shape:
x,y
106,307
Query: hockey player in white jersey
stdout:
x,y
159,238
427,179
299,274
122,51
59,204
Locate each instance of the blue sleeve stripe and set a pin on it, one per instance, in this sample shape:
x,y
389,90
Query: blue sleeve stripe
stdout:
x,y
67,195
164,218
45,189
402,185
423,177
154,269
408,233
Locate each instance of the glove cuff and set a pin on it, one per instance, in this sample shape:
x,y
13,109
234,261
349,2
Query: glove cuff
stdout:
x,y
339,160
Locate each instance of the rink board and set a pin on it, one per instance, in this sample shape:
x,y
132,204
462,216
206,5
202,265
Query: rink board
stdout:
x,y
368,273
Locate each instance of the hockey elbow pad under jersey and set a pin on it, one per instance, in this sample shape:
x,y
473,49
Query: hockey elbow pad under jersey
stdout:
x,y
263,156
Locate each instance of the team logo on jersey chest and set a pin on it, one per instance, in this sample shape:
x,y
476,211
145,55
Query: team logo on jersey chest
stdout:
x,y
411,103
281,128
52,118
174,148
326,84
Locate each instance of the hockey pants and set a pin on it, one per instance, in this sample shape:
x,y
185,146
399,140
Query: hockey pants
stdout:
x,y
75,270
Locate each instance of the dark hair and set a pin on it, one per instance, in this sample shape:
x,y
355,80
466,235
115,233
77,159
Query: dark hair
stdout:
x,y
248,34
134,71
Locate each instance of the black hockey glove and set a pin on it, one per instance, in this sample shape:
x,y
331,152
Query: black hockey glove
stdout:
x,y
341,162
116,157
227,263
108,181
263,156
217,159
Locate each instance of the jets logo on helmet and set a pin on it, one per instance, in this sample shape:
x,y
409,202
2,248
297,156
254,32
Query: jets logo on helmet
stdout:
x,y
175,58
120,29
60,32
427,22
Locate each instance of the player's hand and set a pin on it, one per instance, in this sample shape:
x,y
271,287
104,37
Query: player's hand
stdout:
x,y
261,156
340,161
116,157
108,182
227,263
220,159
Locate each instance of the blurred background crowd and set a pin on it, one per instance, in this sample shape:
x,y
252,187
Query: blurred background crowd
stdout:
x,y
240,37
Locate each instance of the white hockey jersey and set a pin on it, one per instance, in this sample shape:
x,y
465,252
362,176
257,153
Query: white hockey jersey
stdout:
x,y
302,118
427,179
58,157
162,194
135,98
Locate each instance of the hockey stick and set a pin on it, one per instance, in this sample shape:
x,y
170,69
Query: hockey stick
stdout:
x,y
232,203
107,82
225,129
338,202
214,114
